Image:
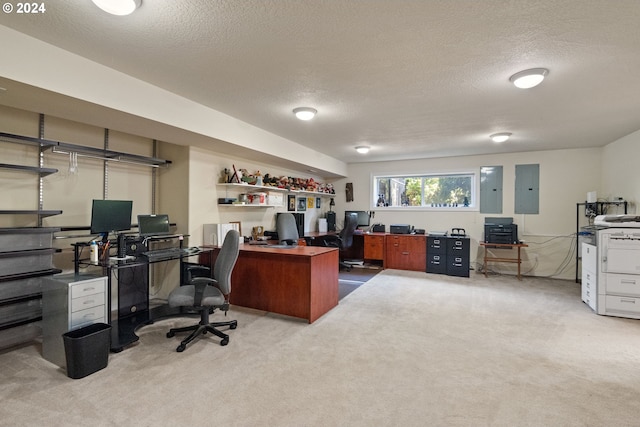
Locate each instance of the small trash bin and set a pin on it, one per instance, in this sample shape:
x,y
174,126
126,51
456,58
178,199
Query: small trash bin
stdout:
x,y
87,349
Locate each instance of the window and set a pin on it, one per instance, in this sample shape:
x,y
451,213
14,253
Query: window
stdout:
x,y
456,190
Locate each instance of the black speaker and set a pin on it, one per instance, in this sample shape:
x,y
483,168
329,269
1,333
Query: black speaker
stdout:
x,y
331,221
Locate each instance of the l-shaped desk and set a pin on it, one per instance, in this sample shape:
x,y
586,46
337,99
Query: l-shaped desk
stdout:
x,y
301,281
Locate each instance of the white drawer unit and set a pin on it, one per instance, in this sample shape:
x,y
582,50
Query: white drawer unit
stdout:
x,y
623,306
70,301
619,272
623,284
589,275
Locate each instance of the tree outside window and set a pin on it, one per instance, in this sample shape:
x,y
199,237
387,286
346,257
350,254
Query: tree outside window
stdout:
x,y
450,190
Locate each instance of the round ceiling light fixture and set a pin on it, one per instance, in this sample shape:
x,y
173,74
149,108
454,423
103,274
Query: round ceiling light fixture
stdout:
x,y
118,7
363,149
500,137
305,113
529,78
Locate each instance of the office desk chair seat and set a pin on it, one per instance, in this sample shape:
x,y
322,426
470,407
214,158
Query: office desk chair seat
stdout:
x,y
202,295
206,294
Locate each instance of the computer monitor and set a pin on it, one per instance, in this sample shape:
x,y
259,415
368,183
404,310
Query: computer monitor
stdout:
x,y
109,216
363,217
153,225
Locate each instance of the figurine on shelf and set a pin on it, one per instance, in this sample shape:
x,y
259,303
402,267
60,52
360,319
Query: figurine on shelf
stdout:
x,y
258,177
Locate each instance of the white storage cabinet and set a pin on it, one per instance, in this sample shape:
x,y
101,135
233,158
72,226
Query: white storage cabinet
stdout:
x,y
70,301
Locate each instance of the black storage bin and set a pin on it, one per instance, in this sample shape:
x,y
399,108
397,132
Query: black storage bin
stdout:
x,y
87,349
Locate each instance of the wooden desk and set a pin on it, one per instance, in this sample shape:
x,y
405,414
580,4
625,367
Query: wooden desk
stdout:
x,y
487,258
301,281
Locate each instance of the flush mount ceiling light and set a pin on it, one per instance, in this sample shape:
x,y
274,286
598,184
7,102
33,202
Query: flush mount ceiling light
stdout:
x,y
305,113
500,137
529,78
362,149
118,7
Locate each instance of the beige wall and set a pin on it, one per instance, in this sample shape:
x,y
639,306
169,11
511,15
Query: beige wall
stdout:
x,y
565,178
205,170
621,174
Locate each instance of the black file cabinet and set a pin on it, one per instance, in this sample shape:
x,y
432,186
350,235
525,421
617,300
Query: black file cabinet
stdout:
x,y
437,254
458,256
448,255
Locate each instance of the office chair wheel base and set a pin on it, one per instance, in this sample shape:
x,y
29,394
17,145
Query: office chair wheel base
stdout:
x,y
224,341
171,334
181,348
233,326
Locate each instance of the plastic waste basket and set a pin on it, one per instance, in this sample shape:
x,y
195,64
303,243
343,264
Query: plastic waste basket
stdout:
x,y
87,349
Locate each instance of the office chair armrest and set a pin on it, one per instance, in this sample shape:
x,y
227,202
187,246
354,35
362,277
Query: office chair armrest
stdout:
x,y
332,241
200,283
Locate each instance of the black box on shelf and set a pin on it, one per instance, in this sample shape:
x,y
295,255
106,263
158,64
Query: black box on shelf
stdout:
x,y
399,228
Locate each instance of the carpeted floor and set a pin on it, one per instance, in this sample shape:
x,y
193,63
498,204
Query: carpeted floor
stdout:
x,y
403,349
349,281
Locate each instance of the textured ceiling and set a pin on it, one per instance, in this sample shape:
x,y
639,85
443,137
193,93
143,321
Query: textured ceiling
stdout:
x,y
410,78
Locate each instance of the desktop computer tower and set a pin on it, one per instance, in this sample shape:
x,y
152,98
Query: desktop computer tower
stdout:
x,y
331,221
133,282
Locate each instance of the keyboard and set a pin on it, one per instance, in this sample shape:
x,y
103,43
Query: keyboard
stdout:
x,y
169,253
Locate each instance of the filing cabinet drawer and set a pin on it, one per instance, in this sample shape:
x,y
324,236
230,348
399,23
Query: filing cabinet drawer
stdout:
x,y
436,263
457,265
87,287
90,315
623,284
89,301
437,245
374,247
458,246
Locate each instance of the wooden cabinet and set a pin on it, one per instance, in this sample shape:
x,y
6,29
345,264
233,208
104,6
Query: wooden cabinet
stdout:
x,y
406,252
374,247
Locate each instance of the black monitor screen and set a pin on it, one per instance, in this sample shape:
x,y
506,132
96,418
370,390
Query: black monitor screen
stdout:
x,y
110,215
153,225
363,217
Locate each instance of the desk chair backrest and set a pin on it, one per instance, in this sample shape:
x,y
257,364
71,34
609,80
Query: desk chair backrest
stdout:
x,y
287,228
346,234
226,260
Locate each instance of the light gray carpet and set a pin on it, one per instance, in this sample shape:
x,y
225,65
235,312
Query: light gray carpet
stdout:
x,y
351,280
404,349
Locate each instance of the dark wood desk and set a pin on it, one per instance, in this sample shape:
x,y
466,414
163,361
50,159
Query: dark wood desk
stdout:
x,y
366,246
301,281
487,258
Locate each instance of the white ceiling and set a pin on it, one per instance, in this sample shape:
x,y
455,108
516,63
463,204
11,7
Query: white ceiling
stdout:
x,y
410,78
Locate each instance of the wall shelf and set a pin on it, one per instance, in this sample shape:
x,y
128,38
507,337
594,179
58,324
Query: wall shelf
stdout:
x,y
40,171
246,205
258,188
40,213
91,152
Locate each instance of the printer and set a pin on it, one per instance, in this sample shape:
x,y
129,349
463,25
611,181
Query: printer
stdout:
x,y
500,230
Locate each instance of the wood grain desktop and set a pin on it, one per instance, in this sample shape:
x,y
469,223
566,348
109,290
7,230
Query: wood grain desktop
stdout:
x,y
301,281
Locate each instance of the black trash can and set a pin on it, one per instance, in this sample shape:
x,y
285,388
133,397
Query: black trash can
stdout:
x,y
87,349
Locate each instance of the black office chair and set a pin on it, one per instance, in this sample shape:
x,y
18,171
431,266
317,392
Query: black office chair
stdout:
x,y
343,240
206,294
287,229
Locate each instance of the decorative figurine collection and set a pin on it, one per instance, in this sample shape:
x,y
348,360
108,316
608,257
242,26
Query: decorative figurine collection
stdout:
x,y
239,176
